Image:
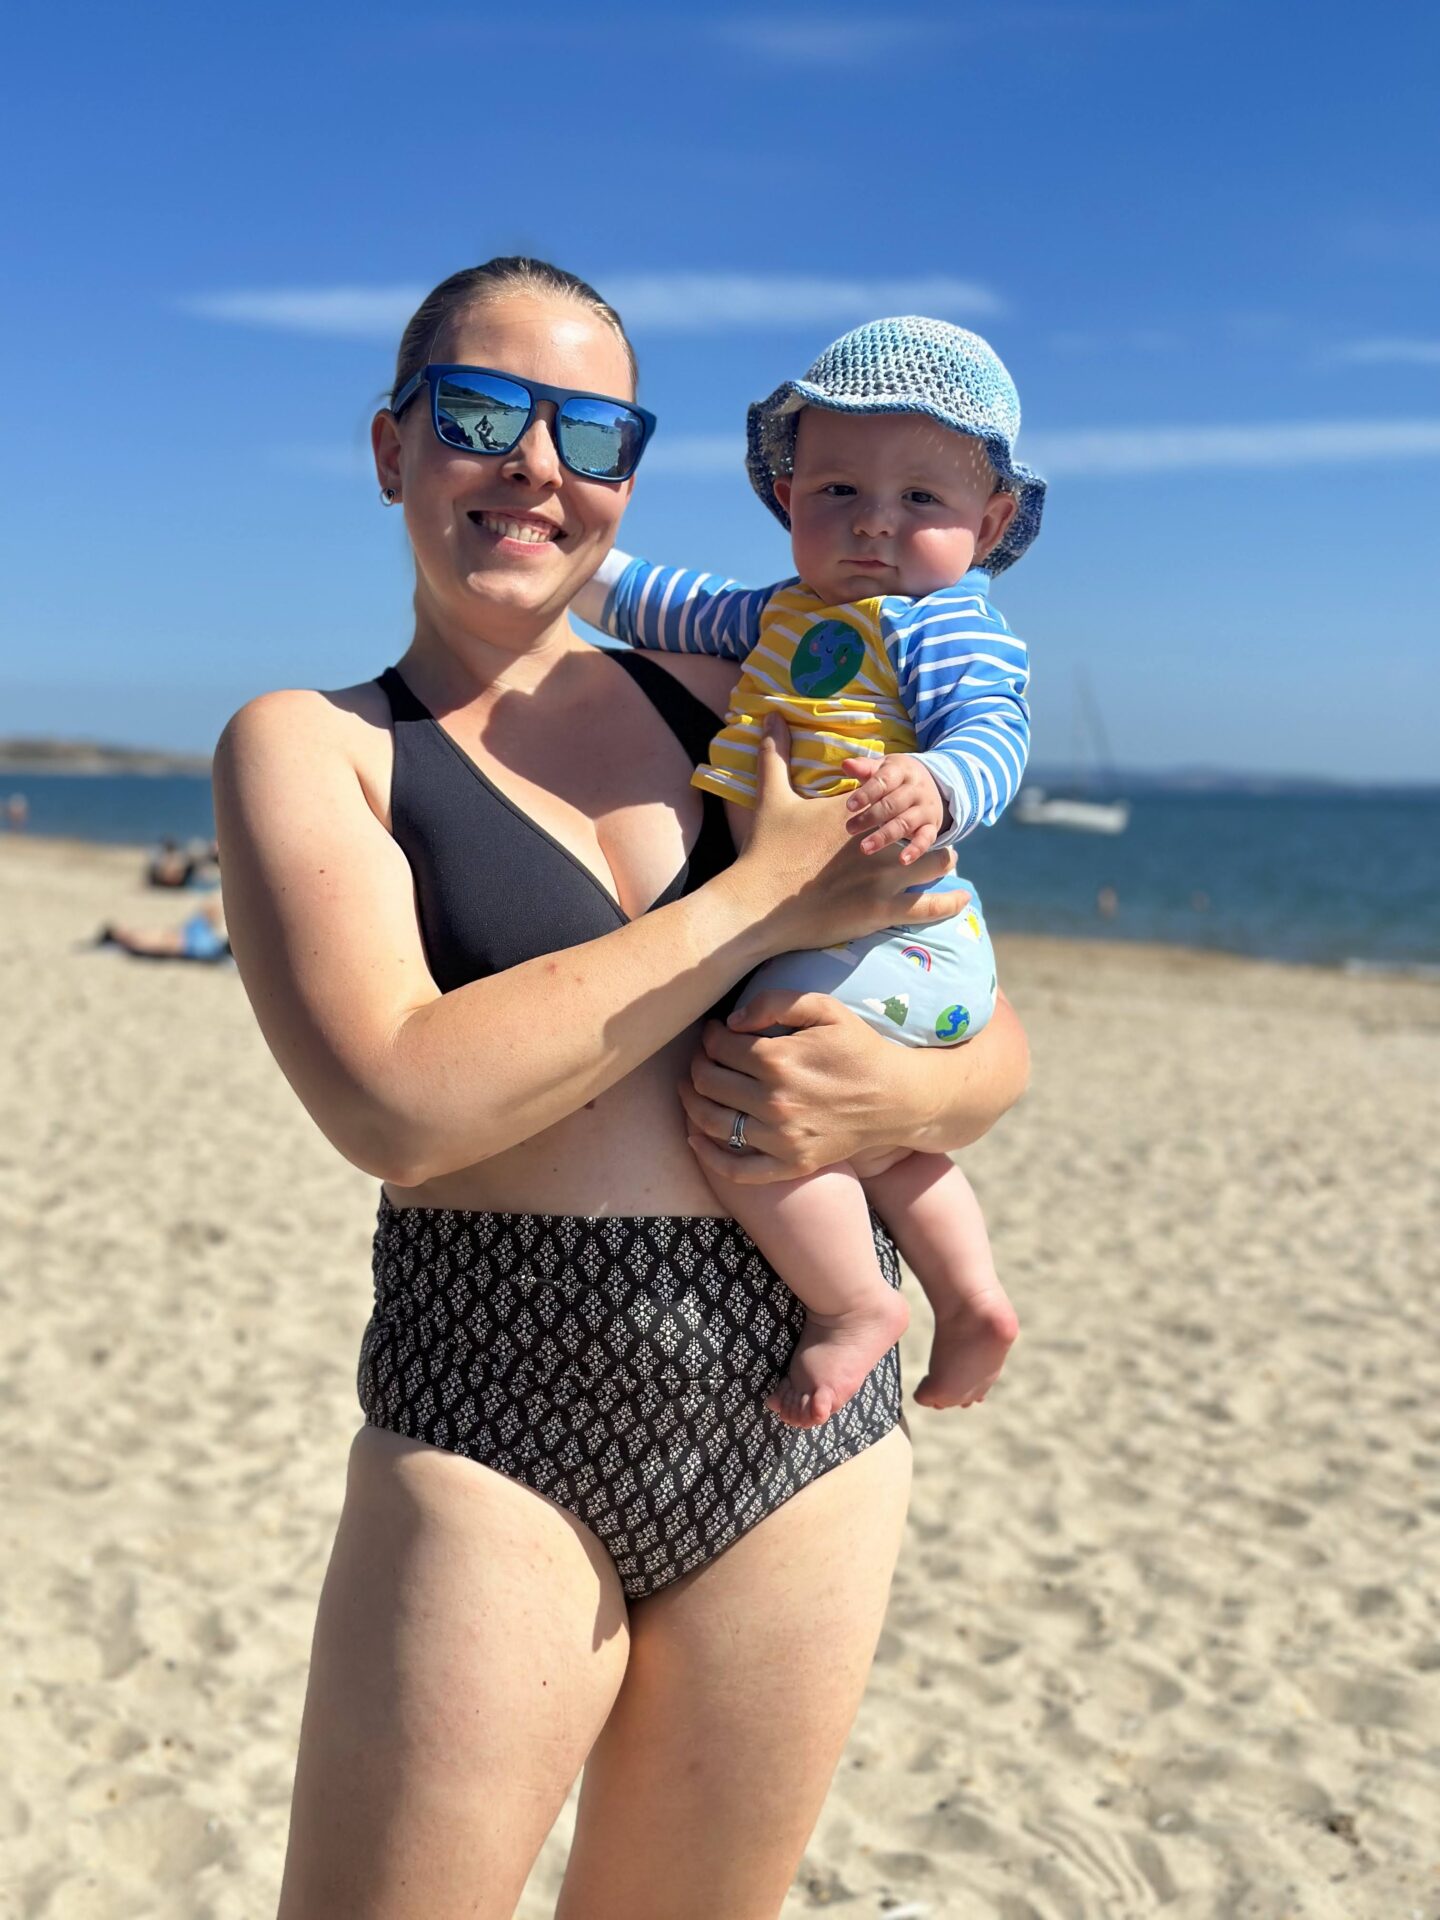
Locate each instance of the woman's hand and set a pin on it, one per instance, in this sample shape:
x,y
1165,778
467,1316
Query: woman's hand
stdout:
x,y
834,1089
828,1090
808,882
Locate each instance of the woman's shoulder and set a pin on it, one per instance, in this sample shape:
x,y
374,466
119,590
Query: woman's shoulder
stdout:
x,y
316,717
310,737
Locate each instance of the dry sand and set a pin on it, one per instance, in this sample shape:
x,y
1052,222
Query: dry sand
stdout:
x,y
1166,1633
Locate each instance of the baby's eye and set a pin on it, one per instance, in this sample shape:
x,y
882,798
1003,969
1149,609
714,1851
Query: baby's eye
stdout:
x,y
921,498
837,488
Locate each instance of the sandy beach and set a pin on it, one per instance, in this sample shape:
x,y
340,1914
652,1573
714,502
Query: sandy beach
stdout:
x,y
1165,1635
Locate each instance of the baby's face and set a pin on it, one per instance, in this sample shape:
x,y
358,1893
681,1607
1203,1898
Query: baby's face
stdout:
x,y
888,503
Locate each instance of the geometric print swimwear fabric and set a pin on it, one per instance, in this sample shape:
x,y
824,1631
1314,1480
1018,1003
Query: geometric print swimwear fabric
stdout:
x,y
616,1364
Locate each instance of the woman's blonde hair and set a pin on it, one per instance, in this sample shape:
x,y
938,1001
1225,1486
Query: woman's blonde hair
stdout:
x,y
474,286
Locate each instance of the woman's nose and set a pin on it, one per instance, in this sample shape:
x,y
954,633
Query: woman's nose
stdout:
x,y
534,459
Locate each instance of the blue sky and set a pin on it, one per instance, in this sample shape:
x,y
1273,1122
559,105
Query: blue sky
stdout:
x,y
1203,236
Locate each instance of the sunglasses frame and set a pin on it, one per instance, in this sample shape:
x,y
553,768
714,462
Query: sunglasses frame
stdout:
x,y
433,374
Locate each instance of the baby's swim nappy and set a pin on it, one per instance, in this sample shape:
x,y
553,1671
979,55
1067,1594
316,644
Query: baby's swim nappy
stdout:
x,y
930,986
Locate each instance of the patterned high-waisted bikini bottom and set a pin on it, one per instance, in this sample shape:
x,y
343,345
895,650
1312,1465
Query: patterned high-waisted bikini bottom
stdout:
x,y
617,1364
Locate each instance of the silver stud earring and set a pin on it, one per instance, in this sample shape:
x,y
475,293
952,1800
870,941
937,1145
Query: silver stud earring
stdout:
x,y
388,496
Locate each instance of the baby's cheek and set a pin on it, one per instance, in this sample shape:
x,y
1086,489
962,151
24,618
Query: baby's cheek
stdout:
x,y
942,554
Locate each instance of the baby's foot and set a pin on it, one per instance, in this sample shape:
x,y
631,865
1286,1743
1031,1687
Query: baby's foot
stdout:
x,y
833,1355
969,1349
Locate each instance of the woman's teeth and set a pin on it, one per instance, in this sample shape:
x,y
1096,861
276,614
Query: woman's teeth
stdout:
x,y
532,536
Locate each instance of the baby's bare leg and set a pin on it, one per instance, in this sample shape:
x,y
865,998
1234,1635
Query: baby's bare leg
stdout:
x,y
815,1232
931,1209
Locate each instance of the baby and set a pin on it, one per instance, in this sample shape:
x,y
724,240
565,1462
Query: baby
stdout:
x,y
892,465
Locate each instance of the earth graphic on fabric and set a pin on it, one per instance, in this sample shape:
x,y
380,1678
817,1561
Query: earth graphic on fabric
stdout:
x,y
953,1024
828,658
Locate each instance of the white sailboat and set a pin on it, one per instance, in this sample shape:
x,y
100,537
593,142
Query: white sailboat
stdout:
x,y
1035,807
1080,807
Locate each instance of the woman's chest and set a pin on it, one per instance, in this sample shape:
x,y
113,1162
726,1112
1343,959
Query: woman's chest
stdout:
x,y
523,844
612,796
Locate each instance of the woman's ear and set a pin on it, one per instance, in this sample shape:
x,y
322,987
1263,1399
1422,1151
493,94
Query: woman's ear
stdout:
x,y
1000,510
783,490
385,444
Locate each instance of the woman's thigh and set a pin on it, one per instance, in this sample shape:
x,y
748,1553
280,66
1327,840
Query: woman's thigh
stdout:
x,y
470,1642
743,1681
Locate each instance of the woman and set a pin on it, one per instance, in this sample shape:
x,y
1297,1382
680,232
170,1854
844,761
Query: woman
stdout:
x,y
480,910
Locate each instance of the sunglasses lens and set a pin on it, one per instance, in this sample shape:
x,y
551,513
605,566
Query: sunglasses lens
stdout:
x,y
481,412
601,438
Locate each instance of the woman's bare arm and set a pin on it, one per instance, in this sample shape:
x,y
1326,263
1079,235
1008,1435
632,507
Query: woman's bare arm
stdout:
x,y
834,1088
409,1083
960,1092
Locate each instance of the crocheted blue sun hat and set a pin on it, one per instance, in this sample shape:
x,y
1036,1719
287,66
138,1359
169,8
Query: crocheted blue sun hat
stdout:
x,y
909,365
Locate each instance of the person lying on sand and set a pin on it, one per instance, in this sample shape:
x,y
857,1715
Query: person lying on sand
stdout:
x,y
201,937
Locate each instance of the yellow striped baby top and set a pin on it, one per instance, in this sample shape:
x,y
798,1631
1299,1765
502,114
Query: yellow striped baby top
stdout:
x,y
825,670
941,672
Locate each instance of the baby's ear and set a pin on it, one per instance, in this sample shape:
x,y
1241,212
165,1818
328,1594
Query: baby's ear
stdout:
x,y
1000,510
783,490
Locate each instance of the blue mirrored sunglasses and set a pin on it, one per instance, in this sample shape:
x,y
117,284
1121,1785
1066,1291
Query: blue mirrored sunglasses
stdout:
x,y
480,410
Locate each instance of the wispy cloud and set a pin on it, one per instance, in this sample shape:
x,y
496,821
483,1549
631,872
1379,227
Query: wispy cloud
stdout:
x,y
820,41
339,313
1393,241
1388,352
710,302
679,302
1305,443
823,40
1115,452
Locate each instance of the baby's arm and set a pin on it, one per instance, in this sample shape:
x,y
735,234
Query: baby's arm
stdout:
x,y
673,609
962,676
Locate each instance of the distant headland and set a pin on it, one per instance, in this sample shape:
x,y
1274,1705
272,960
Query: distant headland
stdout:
x,y
46,755
89,756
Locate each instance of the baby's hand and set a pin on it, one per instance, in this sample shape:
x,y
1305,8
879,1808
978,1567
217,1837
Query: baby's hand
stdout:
x,y
897,799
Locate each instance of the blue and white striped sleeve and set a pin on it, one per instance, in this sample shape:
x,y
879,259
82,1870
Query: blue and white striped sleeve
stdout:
x,y
673,609
962,676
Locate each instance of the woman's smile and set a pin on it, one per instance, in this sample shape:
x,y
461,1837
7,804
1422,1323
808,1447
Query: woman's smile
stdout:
x,y
528,533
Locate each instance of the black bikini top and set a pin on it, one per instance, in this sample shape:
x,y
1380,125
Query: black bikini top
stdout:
x,y
493,888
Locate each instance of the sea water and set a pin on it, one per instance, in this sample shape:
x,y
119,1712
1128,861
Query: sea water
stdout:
x,y
129,809
1341,880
